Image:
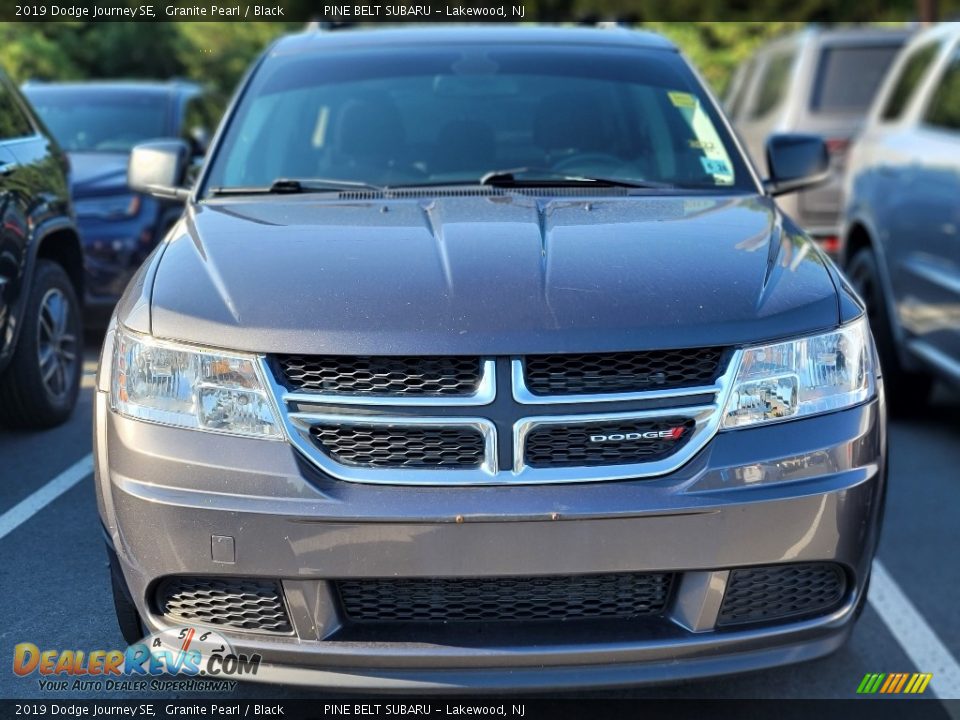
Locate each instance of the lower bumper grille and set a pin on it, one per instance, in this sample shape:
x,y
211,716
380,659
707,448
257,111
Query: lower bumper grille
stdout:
x,y
782,591
238,603
556,598
401,447
578,444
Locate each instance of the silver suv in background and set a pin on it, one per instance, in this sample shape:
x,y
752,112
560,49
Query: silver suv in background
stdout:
x,y
901,236
817,81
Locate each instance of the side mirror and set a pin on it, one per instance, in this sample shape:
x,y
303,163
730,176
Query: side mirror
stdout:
x,y
158,168
796,162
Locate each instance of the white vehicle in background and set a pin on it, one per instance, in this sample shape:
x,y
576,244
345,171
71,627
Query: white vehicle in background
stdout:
x,y
820,82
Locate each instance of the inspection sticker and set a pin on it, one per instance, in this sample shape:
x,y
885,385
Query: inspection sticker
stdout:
x,y
713,166
682,99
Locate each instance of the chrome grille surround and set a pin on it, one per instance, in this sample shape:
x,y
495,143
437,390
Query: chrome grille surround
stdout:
x,y
706,419
298,414
407,446
303,422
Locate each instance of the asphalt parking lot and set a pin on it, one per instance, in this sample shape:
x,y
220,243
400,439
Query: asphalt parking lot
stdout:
x,y
54,589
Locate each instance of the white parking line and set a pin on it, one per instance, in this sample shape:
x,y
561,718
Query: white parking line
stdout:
x,y
915,636
89,378
35,502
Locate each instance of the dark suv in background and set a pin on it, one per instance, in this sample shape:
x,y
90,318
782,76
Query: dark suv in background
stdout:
x,y
98,123
817,81
41,272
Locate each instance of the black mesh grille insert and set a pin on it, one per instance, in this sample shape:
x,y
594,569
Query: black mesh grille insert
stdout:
x,y
608,443
243,604
621,595
782,591
401,447
622,372
409,376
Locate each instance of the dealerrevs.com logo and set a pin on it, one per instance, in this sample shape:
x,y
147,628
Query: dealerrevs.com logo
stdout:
x,y
183,653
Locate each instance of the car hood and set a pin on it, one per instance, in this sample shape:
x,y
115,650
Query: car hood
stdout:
x,y
98,173
488,275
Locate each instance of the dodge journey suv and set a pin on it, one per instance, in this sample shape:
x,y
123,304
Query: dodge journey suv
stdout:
x,y
482,358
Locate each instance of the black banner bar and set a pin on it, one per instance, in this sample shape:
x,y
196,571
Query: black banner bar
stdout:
x,y
517,708
333,13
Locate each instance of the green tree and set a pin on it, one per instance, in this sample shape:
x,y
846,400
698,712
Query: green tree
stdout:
x,y
33,50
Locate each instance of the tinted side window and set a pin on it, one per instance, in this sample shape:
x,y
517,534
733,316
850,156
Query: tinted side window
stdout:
x,y
944,109
13,123
773,84
734,103
848,77
911,73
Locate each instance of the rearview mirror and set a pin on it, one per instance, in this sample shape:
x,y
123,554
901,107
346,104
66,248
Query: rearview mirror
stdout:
x,y
158,168
796,162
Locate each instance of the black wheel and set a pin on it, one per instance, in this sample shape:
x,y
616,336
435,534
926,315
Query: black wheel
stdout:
x,y
128,619
907,391
39,388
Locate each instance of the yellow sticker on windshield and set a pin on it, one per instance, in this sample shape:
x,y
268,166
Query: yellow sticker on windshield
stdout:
x,y
682,99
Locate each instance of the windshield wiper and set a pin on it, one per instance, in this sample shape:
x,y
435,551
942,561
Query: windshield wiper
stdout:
x,y
292,186
515,177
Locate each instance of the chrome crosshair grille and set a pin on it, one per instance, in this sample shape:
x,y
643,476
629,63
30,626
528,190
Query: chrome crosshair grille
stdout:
x,y
508,420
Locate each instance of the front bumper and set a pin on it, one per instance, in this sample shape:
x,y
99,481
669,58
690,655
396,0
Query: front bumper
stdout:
x,y
809,490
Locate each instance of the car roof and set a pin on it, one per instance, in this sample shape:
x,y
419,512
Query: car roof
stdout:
x,y
941,31
142,87
441,34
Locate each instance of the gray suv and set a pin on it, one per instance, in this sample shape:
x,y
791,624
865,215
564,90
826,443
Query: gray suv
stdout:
x,y
482,358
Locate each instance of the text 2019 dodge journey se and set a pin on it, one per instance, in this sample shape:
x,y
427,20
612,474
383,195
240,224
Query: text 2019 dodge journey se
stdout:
x,y
482,358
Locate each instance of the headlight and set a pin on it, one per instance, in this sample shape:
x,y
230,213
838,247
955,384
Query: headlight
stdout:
x,y
802,377
190,387
108,207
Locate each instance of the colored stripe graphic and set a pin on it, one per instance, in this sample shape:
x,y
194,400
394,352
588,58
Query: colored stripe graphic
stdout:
x,y
903,681
894,683
870,683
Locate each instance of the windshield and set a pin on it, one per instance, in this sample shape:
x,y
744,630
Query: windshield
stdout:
x,y
90,120
403,116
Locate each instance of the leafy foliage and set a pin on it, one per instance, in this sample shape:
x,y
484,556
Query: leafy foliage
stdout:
x,y
214,54
217,54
